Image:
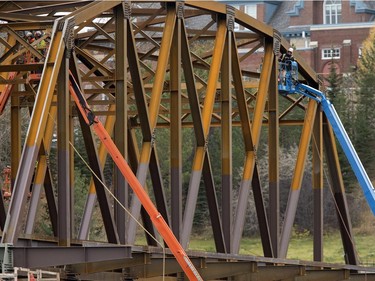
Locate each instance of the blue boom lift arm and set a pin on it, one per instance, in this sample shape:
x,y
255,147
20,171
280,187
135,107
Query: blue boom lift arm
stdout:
x,y
289,84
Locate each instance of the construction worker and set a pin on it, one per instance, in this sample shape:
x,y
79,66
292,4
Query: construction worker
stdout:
x,y
42,44
288,56
30,37
285,63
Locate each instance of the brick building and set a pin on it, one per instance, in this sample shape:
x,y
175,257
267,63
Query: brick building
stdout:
x,y
321,31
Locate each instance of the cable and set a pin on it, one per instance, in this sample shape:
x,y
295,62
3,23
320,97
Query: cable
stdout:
x,y
113,196
120,204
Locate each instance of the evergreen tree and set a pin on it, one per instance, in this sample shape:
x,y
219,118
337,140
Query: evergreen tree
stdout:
x,y
334,80
365,114
338,94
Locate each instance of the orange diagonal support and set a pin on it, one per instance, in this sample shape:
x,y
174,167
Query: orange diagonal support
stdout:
x,y
156,217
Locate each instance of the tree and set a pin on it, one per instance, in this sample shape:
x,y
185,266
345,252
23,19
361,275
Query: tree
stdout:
x,y
365,114
338,91
334,80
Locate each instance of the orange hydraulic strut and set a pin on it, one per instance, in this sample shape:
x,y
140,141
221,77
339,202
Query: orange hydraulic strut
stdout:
x,y
159,222
5,94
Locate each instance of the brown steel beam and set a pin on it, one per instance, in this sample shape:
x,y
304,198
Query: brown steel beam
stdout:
x,y
261,214
102,154
226,137
33,140
37,7
93,8
206,120
251,153
22,17
44,257
16,141
43,176
134,154
213,205
176,129
142,112
339,195
273,163
96,66
120,129
22,26
11,54
91,197
158,186
96,163
51,201
98,178
27,46
317,154
63,185
296,184
154,105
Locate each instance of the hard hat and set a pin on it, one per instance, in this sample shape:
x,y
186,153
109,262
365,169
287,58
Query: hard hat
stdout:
x,y
38,33
29,34
290,50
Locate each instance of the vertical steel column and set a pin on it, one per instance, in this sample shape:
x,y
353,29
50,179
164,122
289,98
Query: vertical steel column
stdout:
x,y
15,127
200,139
241,103
295,187
63,156
15,121
134,155
337,186
317,153
157,90
273,162
96,164
70,133
120,130
15,134
226,134
206,122
175,127
34,136
248,173
213,205
98,178
91,197
15,146
102,154
41,170
157,184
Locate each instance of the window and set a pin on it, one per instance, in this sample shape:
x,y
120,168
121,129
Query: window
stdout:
x,y
332,53
332,11
250,9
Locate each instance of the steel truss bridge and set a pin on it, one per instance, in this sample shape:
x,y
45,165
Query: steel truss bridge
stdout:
x,y
154,70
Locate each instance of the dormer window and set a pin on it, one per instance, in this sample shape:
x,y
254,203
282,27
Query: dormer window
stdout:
x,y
332,11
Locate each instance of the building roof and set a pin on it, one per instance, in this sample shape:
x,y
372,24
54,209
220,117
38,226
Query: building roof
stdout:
x,y
363,6
280,19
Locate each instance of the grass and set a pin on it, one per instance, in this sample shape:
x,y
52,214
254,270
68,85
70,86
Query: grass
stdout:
x,y
301,248
301,245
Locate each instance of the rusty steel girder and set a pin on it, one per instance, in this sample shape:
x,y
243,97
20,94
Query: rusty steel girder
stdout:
x,y
161,76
